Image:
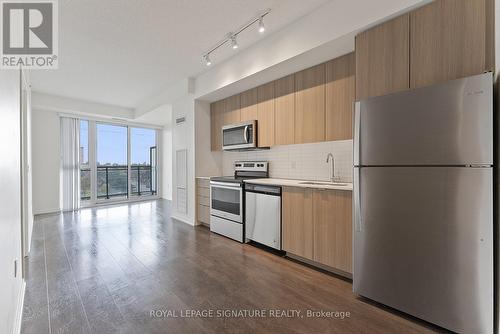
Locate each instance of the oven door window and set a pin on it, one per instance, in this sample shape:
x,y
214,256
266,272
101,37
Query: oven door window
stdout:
x,y
226,200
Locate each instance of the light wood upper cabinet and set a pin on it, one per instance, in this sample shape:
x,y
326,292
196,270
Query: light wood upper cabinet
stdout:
x,y
248,102
310,105
265,112
297,223
232,113
284,103
450,39
333,228
216,123
382,58
340,95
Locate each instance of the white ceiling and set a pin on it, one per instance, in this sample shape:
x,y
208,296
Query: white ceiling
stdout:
x,y
120,52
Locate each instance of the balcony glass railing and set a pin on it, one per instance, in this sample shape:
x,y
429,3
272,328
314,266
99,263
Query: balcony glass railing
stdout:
x,y
141,178
85,184
112,181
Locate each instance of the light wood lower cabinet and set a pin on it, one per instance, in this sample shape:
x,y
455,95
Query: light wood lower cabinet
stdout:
x,y
332,211
203,200
297,227
317,225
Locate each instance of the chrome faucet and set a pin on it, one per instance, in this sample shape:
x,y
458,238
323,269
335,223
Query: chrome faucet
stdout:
x,y
332,178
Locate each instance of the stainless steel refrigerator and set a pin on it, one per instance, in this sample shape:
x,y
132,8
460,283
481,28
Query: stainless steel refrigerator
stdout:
x,y
423,202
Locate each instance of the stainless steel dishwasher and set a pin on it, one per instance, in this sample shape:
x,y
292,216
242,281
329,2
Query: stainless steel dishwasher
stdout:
x,y
263,214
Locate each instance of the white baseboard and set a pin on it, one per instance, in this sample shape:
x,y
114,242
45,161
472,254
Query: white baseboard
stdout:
x,y
19,310
185,220
46,212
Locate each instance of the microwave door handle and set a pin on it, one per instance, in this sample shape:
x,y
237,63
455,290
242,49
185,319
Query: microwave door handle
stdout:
x,y
245,134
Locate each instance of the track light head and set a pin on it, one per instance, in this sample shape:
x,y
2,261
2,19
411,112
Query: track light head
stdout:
x,y
262,28
206,59
234,42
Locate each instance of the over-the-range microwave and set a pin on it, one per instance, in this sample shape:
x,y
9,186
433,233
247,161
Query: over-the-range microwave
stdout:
x,y
239,136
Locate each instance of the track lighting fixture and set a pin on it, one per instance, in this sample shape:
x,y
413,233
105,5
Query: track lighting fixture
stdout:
x,y
231,37
262,28
234,42
206,59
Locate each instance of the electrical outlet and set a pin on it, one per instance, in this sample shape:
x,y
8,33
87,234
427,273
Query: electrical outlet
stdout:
x,y
294,164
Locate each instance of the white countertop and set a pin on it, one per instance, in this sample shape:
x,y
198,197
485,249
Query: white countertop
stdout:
x,y
299,183
204,177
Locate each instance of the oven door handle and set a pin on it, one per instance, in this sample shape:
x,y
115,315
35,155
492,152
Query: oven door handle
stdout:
x,y
224,185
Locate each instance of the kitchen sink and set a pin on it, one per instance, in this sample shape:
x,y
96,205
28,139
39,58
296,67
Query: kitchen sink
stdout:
x,y
313,183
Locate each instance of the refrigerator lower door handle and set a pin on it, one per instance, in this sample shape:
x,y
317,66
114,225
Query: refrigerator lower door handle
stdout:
x,y
358,223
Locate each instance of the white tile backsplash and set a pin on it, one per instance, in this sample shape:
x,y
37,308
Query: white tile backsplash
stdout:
x,y
301,161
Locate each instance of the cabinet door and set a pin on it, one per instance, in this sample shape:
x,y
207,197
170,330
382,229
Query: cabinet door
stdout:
x,y
216,122
248,102
450,39
284,104
297,224
310,105
333,228
232,110
382,58
265,112
340,94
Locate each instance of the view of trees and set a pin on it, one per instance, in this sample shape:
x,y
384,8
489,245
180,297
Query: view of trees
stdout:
x,y
112,172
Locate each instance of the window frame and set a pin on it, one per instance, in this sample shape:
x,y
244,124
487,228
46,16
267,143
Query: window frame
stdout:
x,y
92,157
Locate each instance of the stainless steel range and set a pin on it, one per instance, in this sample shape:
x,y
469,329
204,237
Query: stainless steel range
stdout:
x,y
227,203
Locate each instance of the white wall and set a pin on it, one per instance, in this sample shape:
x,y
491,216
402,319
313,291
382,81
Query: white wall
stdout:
x,y
301,161
183,138
10,200
166,167
27,165
45,161
81,107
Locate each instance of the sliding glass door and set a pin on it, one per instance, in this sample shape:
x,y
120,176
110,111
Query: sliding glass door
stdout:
x,y
112,162
85,173
143,161
117,162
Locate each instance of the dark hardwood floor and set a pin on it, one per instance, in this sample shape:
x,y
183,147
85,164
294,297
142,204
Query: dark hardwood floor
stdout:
x,y
104,270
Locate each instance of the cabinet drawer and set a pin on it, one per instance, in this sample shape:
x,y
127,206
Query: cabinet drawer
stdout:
x,y
204,183
204,214
202,200
205,192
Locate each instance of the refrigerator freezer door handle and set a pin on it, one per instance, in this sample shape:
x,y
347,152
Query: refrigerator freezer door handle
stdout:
x,y
358,224
357,135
